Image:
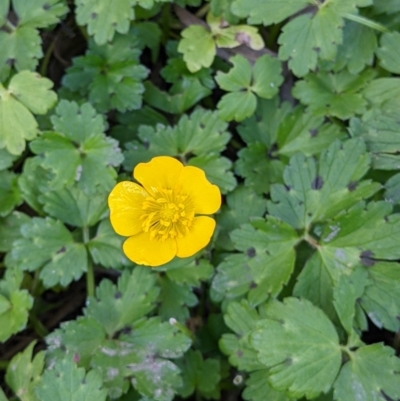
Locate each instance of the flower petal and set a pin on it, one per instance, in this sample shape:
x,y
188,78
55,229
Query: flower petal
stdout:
x,y
144,251
197,238
125,203
205,196
160,172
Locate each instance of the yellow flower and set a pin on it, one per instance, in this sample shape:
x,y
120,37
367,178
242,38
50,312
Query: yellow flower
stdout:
x,y
161,216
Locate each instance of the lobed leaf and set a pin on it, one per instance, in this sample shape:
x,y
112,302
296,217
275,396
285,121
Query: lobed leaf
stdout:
x,y
118,306
24,373
21,45
372,373
47,244
389,53
27,93
14,304
200,375
78,151
333,94
65,381
300,346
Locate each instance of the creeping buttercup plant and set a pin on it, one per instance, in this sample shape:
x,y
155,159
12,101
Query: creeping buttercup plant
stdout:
x,y
199,199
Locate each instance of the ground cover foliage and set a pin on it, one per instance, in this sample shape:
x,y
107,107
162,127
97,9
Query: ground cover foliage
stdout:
x,y
292,109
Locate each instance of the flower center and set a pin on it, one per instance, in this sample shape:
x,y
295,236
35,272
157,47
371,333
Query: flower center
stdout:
x,y
167,215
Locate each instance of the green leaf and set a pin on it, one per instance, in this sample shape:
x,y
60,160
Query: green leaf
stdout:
x,y
258,176
258,389
112,360
233,36
314,36
392,186
316,193
197,40
268,12
200,133
271,256
106,247
6,159
233,278
176,70
267,77
372,373
357,49
2,395
242,319
321,295
386,6
300,346
33,91
15,304
271,144
149,35
33,182
65,381
4,6
359,237
380,299
187,271
39,13
129,123
266,265
241,205
389,53
27,93
346,293
10,196
181,97
24,373
222,8
103,19
237,105
110,75
48,245
238,77
81,337
118,306
135,353
158,338
159,380
10,229
175,300
379,131
333,94
199,375
263,81
153,375
78,151
306,133
381,91
74,207
21,46
264,125
217,170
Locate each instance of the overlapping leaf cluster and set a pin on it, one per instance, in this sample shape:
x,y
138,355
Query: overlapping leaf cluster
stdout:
x,y
291,108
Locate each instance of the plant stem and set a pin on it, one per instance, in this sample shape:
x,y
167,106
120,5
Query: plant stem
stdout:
x,y
312,241
38,326
10,26
46,59
90,268
203,11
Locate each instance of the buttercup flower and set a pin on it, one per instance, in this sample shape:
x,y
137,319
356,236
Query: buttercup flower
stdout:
x,y
161,217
